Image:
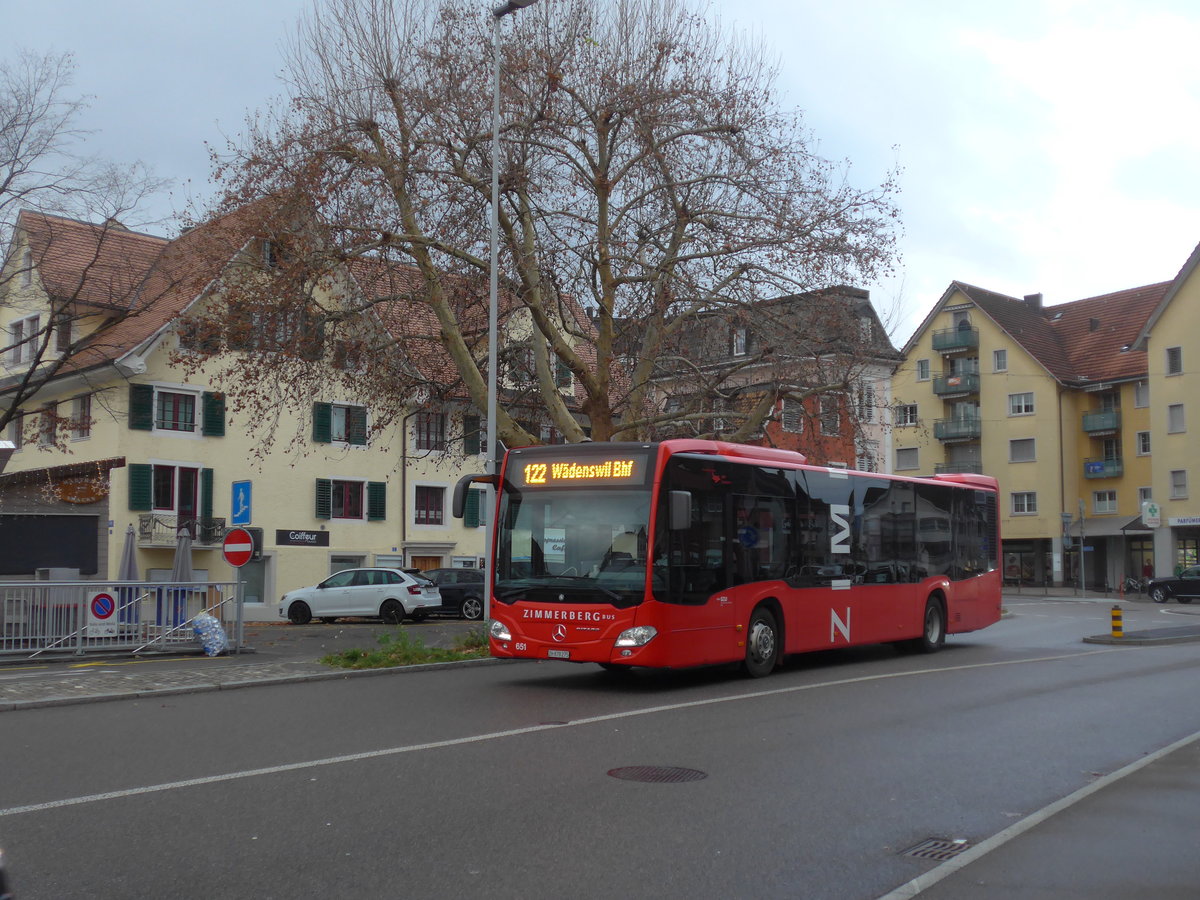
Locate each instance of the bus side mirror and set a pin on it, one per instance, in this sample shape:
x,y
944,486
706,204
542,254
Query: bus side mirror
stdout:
x,y
458,502
680,510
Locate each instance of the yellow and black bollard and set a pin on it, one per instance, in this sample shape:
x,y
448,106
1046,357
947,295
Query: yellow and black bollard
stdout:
x,y
1118,627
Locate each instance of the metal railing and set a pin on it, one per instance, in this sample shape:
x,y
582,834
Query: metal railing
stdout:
x,y
1102,420
950,340
81,617
1103,468
960,428
157,530
962,383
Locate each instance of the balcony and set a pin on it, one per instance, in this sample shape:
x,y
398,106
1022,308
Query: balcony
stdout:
x,y
958,385
962,468
1103,421
155,530
1103,468
963,428
953,340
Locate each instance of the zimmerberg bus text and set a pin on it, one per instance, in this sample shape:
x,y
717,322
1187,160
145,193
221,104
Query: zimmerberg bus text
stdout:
x,y
566,615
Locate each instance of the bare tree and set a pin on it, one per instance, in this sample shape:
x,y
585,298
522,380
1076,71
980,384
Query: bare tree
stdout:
x,y
648,177
72,269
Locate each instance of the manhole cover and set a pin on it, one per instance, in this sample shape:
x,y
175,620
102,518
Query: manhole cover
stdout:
x,y
937,848
657,774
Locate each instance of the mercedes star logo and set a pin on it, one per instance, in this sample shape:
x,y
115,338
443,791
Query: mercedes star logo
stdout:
x,y
560,632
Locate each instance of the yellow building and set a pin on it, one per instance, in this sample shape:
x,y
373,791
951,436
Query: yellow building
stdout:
x,y
1171,341
113,434
1053,402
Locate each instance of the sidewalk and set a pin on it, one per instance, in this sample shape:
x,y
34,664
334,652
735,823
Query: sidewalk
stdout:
x,y
275,654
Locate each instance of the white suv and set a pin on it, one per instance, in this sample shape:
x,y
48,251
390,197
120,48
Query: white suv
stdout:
x,y
389,594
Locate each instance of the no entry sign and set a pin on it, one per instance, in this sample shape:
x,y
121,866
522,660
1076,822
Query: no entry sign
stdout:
x,y
238,547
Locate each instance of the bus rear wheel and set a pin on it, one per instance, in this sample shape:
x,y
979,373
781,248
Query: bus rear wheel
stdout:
x,y
933,635
762,644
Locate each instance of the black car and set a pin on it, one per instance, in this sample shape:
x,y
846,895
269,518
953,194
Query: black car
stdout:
x,y
462,591
1184,587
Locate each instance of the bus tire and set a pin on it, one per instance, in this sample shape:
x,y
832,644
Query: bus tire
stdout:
x,y
933,630
762,644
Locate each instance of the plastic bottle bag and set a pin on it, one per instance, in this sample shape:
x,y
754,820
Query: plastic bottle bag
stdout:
x,y
211,634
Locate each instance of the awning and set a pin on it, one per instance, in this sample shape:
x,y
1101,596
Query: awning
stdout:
x,y
1109,526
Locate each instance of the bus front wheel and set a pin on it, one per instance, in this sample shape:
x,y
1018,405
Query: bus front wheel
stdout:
x,y
933,634
762,644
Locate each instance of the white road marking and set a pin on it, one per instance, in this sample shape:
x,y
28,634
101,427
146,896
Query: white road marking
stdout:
x,y
948,868
514,732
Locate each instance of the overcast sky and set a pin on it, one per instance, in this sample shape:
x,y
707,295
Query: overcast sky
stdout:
x,y
1043,146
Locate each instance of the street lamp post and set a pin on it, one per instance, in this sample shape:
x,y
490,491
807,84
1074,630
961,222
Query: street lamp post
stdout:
x,y
498,13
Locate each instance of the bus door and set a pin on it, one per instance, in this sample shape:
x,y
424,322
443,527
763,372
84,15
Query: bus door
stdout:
x,y
699,612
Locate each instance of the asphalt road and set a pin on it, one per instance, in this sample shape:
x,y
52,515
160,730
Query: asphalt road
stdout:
x,y
501,780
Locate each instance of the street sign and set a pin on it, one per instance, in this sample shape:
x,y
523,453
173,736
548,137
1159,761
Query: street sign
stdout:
x,y
240,509
238,547
102,621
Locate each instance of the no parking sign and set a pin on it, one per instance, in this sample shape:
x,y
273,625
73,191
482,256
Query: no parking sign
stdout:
x,y
102,614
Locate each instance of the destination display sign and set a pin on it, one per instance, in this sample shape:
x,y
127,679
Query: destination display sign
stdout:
x,y
580,470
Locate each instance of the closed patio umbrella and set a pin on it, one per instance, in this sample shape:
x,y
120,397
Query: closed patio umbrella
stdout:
x,y
181,573
128,570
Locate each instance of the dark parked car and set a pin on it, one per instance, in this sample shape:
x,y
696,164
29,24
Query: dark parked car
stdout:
x,y
1184,587
462,591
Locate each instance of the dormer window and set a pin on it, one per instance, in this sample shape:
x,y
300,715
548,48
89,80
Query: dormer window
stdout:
x,y
741,341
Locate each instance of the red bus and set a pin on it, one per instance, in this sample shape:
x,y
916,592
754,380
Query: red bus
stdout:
x,y
690,552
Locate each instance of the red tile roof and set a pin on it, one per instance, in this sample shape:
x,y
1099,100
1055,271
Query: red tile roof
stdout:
x,y
1081,342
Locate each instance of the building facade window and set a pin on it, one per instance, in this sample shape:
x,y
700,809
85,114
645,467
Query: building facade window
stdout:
x,y
1024,503
867,456
1143,443
906,414
1021,404
174,411
16,431
1144,495
791,416
24,333
27,268
339,423
346,499
741,341
906,458
1022,450
1141,395
1104,502
866,403
831,419
81,417
431,431
1174,360
1000,360
48,425
1179,486
922,370
428,505
1175,422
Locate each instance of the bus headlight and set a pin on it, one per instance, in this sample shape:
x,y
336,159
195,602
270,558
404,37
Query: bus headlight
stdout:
x,y
638,636
499,631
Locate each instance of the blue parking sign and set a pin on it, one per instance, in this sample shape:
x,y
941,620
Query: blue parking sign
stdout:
x,y
241,504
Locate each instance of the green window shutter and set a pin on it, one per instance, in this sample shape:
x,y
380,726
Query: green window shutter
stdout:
x,y
356,417
324,499
471,435
206,493
376,501
322,423
562,374
471,509
139,486
141,408
213,424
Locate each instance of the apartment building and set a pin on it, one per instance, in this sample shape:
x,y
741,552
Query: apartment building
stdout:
x,y
1055,402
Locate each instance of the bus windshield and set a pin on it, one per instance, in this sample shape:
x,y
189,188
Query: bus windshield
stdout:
x,y
571,546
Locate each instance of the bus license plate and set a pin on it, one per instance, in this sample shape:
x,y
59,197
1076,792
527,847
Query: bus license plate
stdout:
x,y
558,654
